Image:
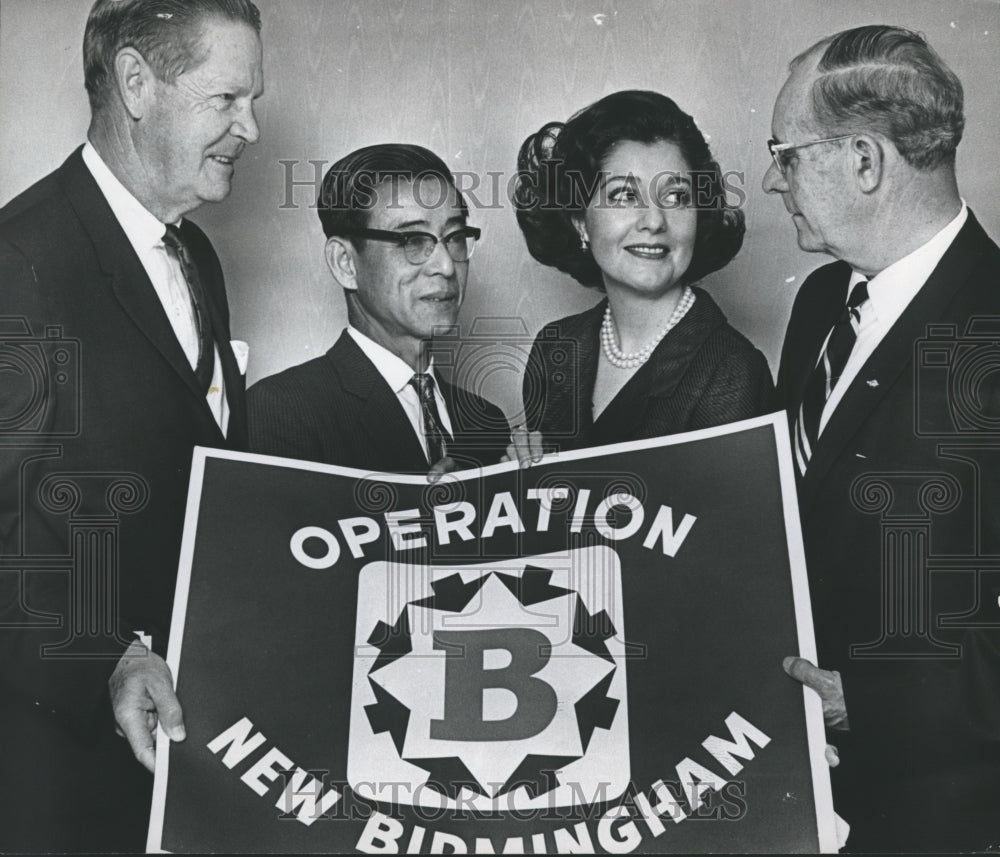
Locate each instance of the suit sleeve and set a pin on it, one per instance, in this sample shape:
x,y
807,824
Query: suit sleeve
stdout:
x,y
800,349
784,393
501,434
740,388
19,305
533,387
279,422
480,429
34,605
210,270
965,695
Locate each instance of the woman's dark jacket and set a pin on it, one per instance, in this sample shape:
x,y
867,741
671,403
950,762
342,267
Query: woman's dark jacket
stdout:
x,y
703,373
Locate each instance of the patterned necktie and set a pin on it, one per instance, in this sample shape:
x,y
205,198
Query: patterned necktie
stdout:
x,y
825,375
205,367
434,432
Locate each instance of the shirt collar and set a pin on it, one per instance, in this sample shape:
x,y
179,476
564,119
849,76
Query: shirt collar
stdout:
x,y
143,230
892,289
395,370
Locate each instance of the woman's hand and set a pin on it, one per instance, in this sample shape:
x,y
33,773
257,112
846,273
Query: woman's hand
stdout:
x,y
525,447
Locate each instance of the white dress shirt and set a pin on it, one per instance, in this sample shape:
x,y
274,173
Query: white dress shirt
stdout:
x,y
397,374
145,233
889,293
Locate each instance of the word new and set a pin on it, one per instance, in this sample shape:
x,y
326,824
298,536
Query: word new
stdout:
x,y
303,795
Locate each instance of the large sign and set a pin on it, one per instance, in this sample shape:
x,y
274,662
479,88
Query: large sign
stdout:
x,y
580,656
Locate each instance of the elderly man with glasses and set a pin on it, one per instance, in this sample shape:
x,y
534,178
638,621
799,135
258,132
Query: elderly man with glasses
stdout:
x,y
398,244
893,397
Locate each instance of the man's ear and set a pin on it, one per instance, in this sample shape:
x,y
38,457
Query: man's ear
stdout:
x,y
134,79
342,262
869,161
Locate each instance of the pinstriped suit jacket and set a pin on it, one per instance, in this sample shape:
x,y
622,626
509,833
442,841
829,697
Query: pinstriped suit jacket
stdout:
x,y
703,374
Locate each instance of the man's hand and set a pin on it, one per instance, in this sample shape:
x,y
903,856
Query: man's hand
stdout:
x,y
525,447
439,468
829,687
142,692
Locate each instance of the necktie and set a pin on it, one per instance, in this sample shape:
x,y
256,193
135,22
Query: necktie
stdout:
x,y
205,367
437,438
825,375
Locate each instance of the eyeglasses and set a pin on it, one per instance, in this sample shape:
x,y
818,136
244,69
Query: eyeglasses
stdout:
x,y
778,150
418,247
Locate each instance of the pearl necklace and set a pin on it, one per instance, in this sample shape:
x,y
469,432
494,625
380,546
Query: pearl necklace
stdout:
x,y
609,338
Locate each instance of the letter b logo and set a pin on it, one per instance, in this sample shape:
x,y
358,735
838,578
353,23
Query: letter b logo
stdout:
x,y
466,698
467,677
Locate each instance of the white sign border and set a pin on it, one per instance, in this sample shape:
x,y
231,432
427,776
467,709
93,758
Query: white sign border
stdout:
x,y
813,708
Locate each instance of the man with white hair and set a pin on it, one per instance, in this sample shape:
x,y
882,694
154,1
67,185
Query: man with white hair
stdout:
x,y
97,257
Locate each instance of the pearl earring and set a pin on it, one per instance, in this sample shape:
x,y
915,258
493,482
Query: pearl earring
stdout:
x,y
584,243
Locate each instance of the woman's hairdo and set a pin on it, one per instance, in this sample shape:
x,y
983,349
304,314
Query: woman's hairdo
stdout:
x,y
559,169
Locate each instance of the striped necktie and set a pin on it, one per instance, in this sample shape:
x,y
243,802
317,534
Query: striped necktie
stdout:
x,y
825,375
205,368
434,431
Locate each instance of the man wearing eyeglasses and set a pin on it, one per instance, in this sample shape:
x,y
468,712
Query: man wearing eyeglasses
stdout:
x,y
890,481
398,244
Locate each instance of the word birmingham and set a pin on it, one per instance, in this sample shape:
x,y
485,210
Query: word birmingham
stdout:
x,y
409,530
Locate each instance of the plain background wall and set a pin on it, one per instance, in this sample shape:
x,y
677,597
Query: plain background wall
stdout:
x,y
470,81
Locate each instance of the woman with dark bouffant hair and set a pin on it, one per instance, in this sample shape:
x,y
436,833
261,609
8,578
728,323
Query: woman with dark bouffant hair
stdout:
x,y
626,198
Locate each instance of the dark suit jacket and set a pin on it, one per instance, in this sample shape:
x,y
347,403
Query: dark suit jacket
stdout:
x,y
112,399
896,487
338,409
702,374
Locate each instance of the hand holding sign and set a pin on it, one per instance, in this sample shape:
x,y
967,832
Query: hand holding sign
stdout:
x,y
525,447
440,468
827,684
493,657
142,690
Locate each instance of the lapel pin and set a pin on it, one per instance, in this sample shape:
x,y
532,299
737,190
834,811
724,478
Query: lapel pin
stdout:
x,y
873,382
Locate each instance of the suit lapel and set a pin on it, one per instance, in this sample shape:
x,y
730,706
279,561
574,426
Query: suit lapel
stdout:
x,y
234,381
668,362
892,360
814,328
383,421
587,355
659,376
129,282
